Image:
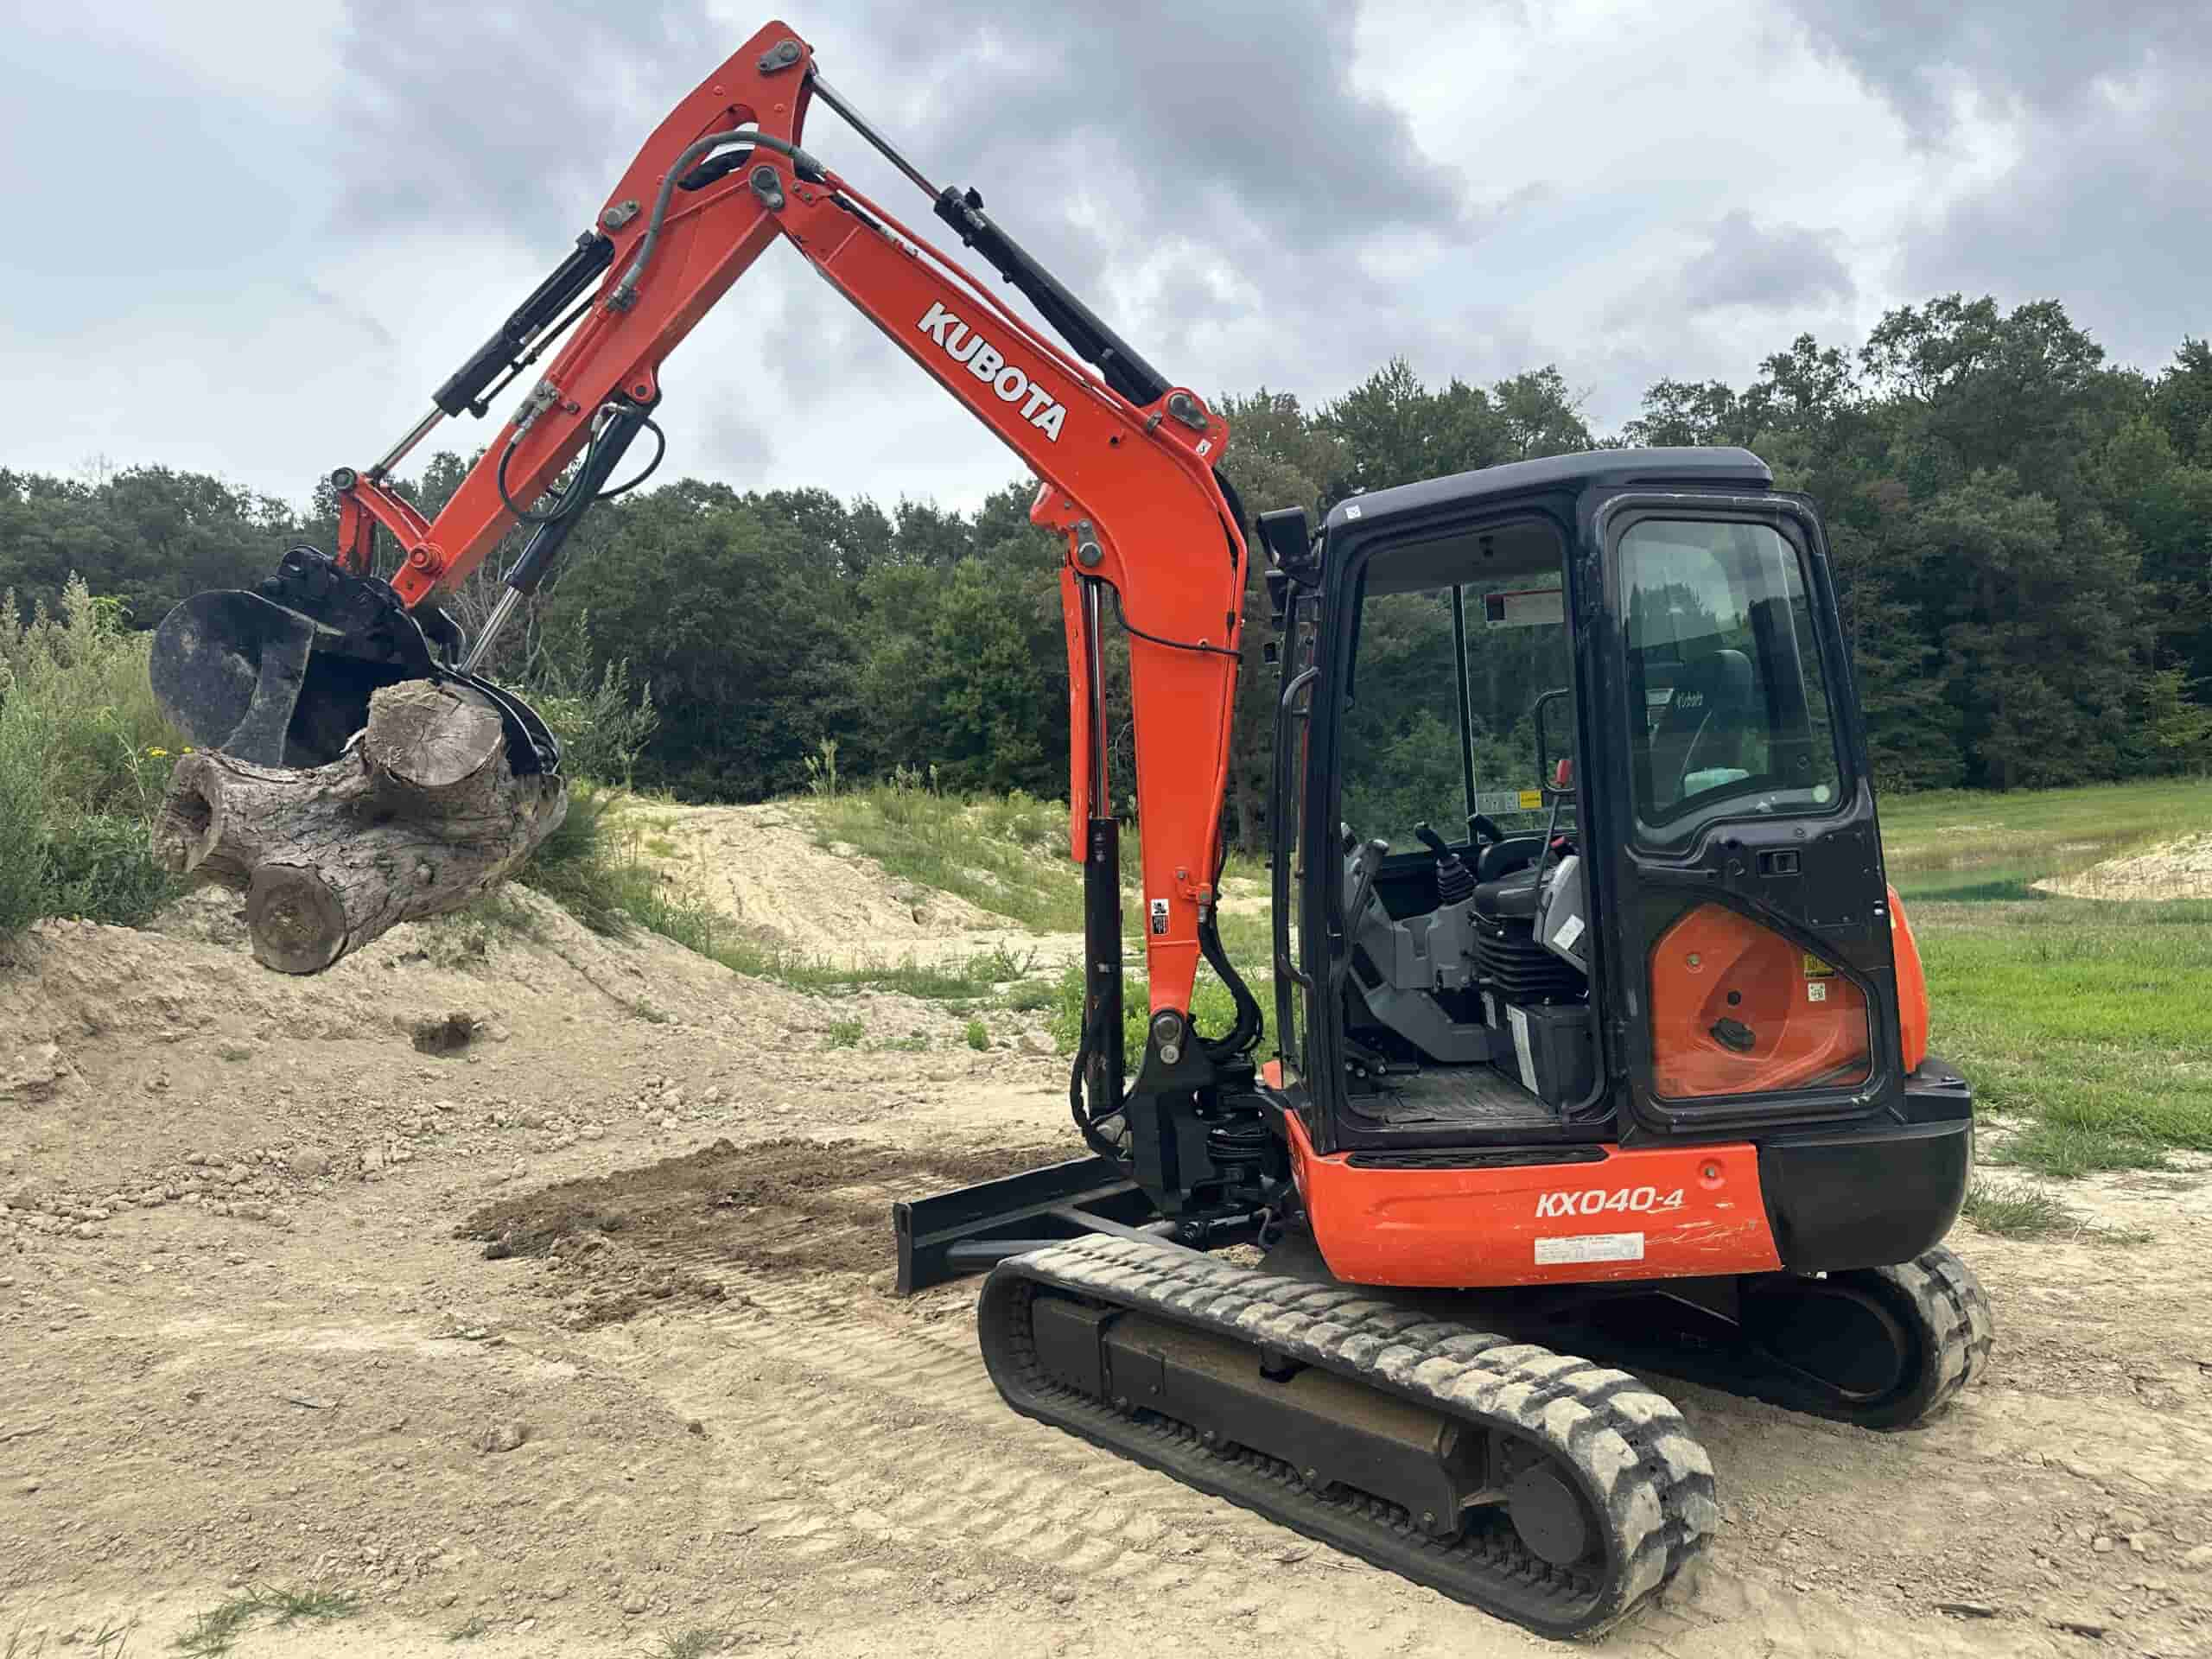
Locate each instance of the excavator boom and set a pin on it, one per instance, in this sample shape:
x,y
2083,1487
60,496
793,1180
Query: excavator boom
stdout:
x,y
1125,461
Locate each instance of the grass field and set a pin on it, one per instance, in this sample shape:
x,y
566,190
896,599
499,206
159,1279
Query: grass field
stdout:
x,y
2084,1025
1954,845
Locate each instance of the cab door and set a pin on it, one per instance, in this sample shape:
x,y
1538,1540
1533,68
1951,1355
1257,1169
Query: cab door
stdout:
x,y
1743,899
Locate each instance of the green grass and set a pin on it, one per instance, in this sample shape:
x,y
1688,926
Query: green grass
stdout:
x,y
2082,1024
2014,1211
24,881
845,1034
1975,847
84,757
692,1643
1033,996
1211,1007
217,1630
2017,1211
1007,855
979,1035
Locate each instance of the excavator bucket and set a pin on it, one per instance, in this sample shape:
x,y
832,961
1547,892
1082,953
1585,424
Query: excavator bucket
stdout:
x,y
282,676
259,681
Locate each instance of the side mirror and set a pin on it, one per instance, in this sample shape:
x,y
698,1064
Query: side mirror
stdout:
x,y
1288,534
1554,722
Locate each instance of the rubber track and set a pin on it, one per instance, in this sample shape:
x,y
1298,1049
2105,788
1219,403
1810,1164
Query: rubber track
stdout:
x,y
1649,1484
1956,1322
1938,1297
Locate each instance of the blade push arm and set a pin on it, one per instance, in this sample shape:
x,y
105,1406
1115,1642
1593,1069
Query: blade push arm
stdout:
x,y
1130,485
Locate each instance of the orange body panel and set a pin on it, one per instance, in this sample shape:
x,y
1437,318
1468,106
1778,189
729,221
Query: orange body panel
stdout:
x,y
1912,987
1806,1022
1672,1213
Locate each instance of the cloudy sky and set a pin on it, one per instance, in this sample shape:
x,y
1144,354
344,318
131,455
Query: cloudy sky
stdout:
x,y
251,237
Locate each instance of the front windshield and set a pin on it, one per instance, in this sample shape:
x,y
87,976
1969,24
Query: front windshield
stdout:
x,y
1729,708
1405,762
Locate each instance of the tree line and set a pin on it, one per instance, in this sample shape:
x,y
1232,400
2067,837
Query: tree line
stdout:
x,y
2022,537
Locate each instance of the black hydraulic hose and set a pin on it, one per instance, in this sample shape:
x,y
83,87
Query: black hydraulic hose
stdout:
x,y
1131,628
1246,1031
660,454
581,493
563,505
1087,1123
802,164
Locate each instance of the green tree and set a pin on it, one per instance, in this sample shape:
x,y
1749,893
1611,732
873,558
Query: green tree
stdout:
x,y
718,605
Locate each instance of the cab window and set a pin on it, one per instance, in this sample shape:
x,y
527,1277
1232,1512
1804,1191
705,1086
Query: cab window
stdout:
x,y
1430,737
1729,713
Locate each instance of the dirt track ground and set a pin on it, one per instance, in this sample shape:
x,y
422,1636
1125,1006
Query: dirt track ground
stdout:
x,y
277,1363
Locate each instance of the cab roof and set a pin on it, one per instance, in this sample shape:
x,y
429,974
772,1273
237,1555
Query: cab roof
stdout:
x,y
1738,468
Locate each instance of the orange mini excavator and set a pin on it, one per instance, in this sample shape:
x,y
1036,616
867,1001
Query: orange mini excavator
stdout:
x,y
1629,1057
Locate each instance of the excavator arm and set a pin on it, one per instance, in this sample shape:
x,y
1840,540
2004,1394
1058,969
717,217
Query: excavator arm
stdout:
x,y
1126,464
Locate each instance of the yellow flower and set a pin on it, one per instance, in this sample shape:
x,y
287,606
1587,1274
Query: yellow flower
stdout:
x,y
158,754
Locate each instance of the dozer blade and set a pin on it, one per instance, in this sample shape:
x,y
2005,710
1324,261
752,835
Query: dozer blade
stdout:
x,y
261,681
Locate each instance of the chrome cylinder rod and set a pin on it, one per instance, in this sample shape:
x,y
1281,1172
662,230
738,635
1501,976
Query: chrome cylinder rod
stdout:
x,y
398,452
1094,674
858,123
493,624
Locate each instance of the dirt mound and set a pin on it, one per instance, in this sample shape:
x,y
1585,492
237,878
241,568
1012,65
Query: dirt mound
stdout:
x,y
760,865
646,1238
2180,869
144,1069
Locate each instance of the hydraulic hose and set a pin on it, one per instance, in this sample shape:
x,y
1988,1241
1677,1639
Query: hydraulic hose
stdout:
x,y
606,448
802,164
1246,1030
1086,1122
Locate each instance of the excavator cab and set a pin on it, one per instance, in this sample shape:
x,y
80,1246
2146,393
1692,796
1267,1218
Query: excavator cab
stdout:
x,y
1655,915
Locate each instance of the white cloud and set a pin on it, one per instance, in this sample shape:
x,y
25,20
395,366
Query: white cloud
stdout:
x,y
253,241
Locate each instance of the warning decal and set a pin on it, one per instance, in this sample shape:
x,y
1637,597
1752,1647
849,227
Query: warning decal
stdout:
x,y
1525,607
1160,915
1519,1021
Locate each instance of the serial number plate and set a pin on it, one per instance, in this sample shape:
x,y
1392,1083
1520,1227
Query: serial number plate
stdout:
x,y
1590,1247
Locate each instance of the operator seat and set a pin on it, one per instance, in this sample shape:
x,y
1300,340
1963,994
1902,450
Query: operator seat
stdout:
x,y
1512,897
1704,722
1501,858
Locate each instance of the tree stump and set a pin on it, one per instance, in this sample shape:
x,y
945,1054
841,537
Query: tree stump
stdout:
x,y
417,817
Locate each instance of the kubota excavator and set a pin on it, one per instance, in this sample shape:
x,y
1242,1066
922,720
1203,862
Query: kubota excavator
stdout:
x,y
1632,1056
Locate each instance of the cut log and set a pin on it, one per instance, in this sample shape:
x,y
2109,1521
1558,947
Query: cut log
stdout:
x,y
417,817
